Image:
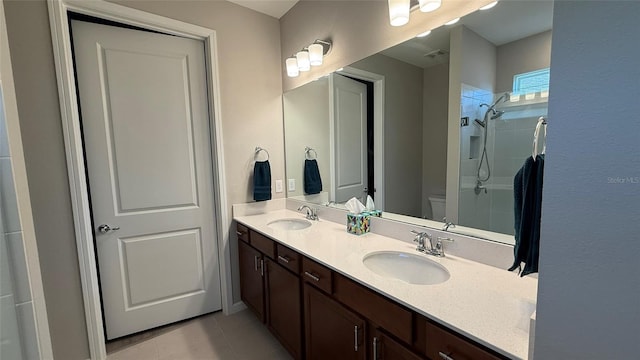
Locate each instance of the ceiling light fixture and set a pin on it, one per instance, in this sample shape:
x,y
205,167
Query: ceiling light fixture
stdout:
x,y
489,6
429,5
311,55
423,34
452,21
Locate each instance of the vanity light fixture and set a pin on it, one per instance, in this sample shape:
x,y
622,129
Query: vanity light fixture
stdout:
x,y
489,6
451,22
311,55
429,5
421,35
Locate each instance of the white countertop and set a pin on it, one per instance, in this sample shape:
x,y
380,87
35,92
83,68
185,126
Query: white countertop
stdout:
x,y
489,305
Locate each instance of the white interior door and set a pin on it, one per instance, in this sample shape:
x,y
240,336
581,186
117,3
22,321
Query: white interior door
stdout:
x,y
349,101
145,121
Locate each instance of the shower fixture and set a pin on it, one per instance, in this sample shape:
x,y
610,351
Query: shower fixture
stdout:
x,y
490,114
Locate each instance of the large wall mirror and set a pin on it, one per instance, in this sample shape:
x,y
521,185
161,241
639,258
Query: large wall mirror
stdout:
x,y
434,127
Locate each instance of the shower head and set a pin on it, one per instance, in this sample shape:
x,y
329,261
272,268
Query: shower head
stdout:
x,y
497,114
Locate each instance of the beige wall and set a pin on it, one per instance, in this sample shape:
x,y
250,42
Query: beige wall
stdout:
x,y
402,132
357,28
306,123
524,55
478,61
434,134
251,107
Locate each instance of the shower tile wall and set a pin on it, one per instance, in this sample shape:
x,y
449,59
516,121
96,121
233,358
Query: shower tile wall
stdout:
x,y
18,339
472,208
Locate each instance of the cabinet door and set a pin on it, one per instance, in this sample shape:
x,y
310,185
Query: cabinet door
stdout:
x,y
284,313
332,331
251,274
385,348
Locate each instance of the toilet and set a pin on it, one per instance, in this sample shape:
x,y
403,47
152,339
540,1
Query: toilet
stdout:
x,y
438,206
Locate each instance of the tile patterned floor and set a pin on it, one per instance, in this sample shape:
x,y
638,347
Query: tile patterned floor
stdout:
x,y
236,337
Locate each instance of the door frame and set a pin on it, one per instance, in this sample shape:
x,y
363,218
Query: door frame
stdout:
x,y
75,160
378,130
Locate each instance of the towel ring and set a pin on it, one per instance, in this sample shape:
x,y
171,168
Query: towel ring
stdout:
x,y
258,149
307,153
542,122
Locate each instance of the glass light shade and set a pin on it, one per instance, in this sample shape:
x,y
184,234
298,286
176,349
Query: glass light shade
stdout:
x,y
292,67
399,12
426,33
315,54
429,5
303,61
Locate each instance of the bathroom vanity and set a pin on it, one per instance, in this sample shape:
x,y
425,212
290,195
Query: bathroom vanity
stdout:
x,y
311,288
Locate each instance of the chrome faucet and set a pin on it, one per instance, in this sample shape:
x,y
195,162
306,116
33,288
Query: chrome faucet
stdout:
x,y
448,225
420,239
435,246
311,214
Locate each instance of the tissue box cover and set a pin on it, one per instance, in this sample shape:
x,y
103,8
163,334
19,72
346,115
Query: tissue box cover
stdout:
x,y
358,223
377,213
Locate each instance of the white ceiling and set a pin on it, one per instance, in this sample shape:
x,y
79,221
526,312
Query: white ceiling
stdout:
x,y
506,22
275,8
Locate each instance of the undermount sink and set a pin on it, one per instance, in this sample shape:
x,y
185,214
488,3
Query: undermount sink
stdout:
x,y
410,268
289,224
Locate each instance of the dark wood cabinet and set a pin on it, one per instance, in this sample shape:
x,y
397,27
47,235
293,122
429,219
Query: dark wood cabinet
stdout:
x,y
317,313
331,331
251,275
284,307
384,347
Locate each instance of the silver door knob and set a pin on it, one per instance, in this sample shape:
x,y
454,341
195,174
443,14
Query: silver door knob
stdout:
x,y
104,228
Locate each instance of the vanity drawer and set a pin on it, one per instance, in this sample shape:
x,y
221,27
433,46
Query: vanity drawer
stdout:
x,y
441,344
389,315
263,243
242,232
317,274
288,258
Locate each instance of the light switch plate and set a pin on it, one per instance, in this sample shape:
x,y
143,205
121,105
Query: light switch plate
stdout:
x,y
279,186
292,184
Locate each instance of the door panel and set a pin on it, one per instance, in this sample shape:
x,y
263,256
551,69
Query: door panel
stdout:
x,y
284,314
350,137
251,284
145,123
129,122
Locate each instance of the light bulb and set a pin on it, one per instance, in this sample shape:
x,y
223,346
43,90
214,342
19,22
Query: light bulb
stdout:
x,y
399,12
303,61
292,67
429,5
423,34
315,54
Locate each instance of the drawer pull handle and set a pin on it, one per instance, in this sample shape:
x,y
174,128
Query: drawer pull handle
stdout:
x,y
312,276
355,338
239,233
375,348
285,259
444,356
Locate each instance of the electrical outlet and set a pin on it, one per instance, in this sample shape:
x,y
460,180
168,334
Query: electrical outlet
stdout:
x,y
292,184
279,186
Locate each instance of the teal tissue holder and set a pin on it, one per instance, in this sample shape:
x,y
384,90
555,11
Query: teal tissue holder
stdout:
x,y
358,224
